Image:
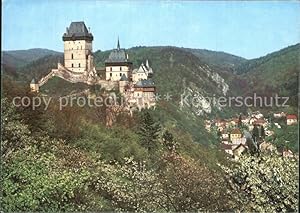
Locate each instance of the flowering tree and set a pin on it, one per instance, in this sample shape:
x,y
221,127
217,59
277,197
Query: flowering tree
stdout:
x,y
268,183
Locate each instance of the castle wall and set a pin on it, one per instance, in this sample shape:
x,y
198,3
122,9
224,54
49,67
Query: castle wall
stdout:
x,y
76,55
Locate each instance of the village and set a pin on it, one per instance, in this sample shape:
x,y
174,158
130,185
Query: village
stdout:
x,y
236,133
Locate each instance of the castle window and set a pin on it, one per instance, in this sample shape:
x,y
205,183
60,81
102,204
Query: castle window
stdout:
x,y
120,68
72,56
87,56
72,65
110,74
111,69
79,65
120,74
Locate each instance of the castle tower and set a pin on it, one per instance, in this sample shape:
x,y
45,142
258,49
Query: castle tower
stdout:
x,y
78,48
123,83
34,86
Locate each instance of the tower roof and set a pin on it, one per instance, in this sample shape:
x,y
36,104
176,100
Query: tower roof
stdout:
x,y
117,55
124,78
118,45
145,83
77,31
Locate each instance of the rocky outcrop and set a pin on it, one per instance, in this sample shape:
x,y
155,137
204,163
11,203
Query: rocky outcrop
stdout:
x,y
216,78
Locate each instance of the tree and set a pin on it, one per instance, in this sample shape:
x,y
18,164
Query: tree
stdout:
x,y
255,133
149,131
262,132
268,183
240,121
219,133
189,185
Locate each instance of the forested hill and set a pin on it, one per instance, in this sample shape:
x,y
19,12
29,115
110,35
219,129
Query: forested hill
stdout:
x,y
276,72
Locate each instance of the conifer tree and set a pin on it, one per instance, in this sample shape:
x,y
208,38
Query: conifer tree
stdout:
x,y
149,131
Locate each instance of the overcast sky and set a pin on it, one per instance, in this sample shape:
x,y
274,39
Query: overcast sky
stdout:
x,y
247,29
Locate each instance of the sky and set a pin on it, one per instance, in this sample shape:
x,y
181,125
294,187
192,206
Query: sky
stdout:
x,y
247,29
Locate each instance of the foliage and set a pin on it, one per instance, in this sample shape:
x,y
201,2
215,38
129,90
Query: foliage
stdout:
x,y
268,183
149,132
286,137
202,189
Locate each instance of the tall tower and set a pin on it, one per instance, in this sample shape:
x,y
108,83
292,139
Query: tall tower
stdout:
x,y
78,48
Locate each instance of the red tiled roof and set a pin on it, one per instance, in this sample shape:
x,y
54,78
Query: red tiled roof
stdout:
x,y
291,117
260,121
226,146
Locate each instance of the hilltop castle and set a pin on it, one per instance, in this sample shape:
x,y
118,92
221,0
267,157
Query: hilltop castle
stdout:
x,y
135,85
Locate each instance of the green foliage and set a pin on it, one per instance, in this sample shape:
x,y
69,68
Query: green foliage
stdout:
x,y
112,144
58,87
149,132
168,141
286,137
98,174
268,183
275,73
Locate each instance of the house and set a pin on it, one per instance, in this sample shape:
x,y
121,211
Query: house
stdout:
x,y
238,141
225,135
287,153
142,73
267,147
235,133
220,122
291,119
260,122
227,148
144,93
258,115
234,121
252,120
239,150
245,120
277,125
269,132
279,114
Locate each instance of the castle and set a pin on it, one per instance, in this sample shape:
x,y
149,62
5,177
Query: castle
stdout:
x,y
135,85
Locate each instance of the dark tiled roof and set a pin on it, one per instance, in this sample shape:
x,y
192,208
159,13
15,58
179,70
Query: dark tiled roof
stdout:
x,y
77,30
123,78
145,83
117,55
32,81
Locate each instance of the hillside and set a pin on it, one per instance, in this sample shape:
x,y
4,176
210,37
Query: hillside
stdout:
x,y
191,72
223,60
20,58
274,73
